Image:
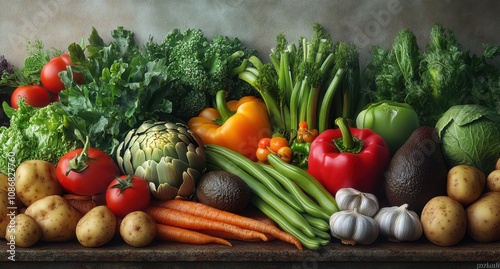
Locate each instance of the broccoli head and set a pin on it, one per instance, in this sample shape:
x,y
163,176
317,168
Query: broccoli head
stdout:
x,y
200,67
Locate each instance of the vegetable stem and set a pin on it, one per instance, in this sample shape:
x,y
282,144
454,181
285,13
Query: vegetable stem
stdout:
x,y
326,104
224,111
79,163
347,143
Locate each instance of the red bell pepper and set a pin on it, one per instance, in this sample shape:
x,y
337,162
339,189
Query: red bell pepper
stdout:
x,y
349,158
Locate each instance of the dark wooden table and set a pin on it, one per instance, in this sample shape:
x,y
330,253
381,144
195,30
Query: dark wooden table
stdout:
x,y
276,254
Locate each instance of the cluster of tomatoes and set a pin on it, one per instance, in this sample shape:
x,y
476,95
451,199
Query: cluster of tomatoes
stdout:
x,y
89,171
274,145
280,145
42,95
304,134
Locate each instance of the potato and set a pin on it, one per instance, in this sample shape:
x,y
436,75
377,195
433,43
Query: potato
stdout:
x,y
483,218
56,217
444,221
465,183
5,212
138,229
497,165
25,233
36,179
97,227
10,186
4,182
493,181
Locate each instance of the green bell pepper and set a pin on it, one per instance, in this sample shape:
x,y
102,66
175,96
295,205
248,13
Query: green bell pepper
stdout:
x,y
393,121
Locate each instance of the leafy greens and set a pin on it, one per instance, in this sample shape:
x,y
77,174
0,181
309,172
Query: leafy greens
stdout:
x,y
434,80
121,90
34,133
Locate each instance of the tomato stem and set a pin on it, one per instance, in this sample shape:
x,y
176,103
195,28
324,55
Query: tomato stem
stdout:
x,y
123,183
79,163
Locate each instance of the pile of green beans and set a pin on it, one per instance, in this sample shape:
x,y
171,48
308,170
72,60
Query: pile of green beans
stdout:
x,y
285,193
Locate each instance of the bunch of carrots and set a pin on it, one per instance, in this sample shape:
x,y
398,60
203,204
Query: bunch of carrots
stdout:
x,y
192,222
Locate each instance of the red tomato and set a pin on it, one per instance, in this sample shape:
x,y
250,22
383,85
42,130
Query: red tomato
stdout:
x,y
34,95
264,142
90,180
127,193
50,73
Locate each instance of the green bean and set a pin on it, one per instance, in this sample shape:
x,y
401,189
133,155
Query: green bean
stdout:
x,y
309,205
284,224
317,222
221,160
258,173
323,235
307,182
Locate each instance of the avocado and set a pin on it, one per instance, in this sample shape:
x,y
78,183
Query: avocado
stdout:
x,y
223,190
417,171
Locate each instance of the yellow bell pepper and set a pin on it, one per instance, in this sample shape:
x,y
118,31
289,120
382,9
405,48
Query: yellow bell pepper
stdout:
x,y
236,124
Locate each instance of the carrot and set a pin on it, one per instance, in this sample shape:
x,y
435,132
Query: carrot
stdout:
x,y
230,236
202,210
179,219
180,235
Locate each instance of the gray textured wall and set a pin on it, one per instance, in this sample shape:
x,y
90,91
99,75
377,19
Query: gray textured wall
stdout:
x,y
256,22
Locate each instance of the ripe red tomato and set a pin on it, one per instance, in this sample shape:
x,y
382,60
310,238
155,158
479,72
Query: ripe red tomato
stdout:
x,y
89,174
264,142
50,73
127,193
34,95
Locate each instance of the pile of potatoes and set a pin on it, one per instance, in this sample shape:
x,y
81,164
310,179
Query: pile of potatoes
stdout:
x,y
43,214
472,207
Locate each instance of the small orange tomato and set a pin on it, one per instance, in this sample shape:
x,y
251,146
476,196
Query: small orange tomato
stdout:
x,y
285,153
278,142
303,125
261,154
308,137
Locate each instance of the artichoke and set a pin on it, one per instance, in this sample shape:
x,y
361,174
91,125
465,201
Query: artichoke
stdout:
x,y
168,155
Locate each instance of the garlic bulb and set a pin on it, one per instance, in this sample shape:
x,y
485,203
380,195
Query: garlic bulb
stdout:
x,y
349,198
399,223
352,227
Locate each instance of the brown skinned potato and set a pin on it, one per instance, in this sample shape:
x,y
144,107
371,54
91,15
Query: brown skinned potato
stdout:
x,y
36,179
483,218
25,233
465,183
97,227
444,221
138,229
56,217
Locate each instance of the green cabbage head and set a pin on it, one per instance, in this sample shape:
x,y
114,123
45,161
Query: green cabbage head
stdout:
x,y
470,134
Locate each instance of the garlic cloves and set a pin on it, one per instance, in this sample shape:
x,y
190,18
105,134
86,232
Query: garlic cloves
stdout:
x,y
399,224
349,199
352,227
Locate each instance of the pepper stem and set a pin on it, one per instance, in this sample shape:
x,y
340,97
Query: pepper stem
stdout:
x,y
347,143
221,105
79,163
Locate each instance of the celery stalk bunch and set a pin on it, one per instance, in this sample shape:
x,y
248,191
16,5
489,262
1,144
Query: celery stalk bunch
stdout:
x,y
314,80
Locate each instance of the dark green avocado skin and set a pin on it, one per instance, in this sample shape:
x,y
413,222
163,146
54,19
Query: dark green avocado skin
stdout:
x,y
223,190
417,171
